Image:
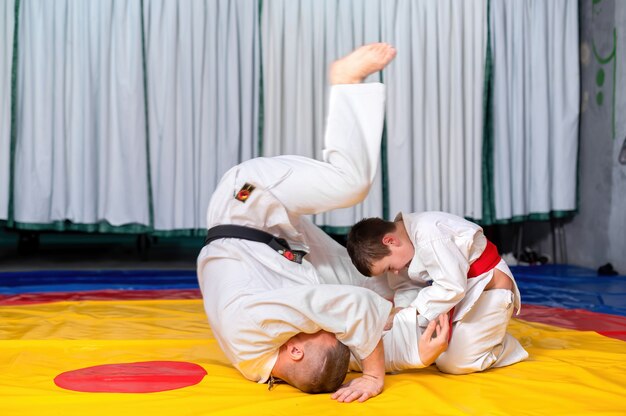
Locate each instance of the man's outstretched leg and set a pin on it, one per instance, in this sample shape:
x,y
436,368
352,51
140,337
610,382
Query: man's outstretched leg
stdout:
x,y
352,139
353,134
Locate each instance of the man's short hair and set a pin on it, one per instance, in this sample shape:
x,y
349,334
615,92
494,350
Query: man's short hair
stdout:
x,y
365,244
327,368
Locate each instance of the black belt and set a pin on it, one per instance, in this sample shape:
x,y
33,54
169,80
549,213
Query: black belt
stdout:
x,y
252,234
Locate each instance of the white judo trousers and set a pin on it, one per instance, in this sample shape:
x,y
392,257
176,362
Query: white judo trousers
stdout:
x,y
479,339
255,299
479,334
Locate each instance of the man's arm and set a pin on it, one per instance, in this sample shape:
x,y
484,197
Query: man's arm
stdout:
x,y
370,384
432,342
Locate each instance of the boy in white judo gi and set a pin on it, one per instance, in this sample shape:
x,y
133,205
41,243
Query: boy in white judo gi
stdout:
x,y
274,310
441,263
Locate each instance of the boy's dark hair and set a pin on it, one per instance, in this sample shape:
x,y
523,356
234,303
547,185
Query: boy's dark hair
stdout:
x,y
365,244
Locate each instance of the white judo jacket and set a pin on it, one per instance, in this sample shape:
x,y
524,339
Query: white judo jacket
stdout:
x,y
445,246
255,299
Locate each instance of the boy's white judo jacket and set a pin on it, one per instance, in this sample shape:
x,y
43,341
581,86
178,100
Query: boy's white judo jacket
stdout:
x,y
437,281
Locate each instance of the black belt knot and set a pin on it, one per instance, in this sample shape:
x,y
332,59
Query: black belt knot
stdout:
x,y
246,233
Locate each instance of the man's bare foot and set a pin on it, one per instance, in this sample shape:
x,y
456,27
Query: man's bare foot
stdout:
x,y
363,61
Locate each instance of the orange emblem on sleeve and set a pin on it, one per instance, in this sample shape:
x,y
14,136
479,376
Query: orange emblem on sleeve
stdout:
x,y
244,192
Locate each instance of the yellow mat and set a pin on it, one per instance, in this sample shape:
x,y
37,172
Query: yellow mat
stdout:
x,y
569,373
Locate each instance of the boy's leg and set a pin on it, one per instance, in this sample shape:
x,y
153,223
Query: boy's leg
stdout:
x,y
512,352
479,341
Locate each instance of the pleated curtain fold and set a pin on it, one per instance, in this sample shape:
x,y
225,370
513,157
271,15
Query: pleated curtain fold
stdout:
x,y
7,28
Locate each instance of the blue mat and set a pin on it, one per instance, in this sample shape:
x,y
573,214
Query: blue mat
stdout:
x,y
571,287
82,280
548,285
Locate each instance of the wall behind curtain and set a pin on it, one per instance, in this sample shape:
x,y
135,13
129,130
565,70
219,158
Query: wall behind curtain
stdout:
x,y
7,26
596,236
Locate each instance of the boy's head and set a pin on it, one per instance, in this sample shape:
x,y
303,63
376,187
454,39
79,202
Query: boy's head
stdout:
x,y
377,246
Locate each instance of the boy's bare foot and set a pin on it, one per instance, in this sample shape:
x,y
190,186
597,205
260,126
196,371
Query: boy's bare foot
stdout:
x,y
363,61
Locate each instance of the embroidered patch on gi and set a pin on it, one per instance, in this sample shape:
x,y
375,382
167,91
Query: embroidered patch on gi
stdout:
x,y
244,192
292,255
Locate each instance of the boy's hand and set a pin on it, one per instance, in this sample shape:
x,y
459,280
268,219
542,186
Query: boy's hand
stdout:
x,y
360,389
392,315
434,340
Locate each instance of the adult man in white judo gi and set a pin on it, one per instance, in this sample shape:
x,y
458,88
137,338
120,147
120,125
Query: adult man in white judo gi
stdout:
x,y
280,317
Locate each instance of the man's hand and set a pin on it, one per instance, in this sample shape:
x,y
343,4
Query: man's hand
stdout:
x,y
360,389
370,384
434,340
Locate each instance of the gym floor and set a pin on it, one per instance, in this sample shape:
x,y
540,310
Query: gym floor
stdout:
x,y
108,327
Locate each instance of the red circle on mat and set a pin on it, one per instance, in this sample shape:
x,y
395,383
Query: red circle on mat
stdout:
x,y
142,377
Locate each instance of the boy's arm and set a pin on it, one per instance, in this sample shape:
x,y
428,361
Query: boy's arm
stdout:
x,y
370,384
447,267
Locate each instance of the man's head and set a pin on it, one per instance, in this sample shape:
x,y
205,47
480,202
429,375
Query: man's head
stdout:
x,y
313,363
377,246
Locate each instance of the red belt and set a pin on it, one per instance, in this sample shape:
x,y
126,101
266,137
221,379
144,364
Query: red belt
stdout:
x,y
488,260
